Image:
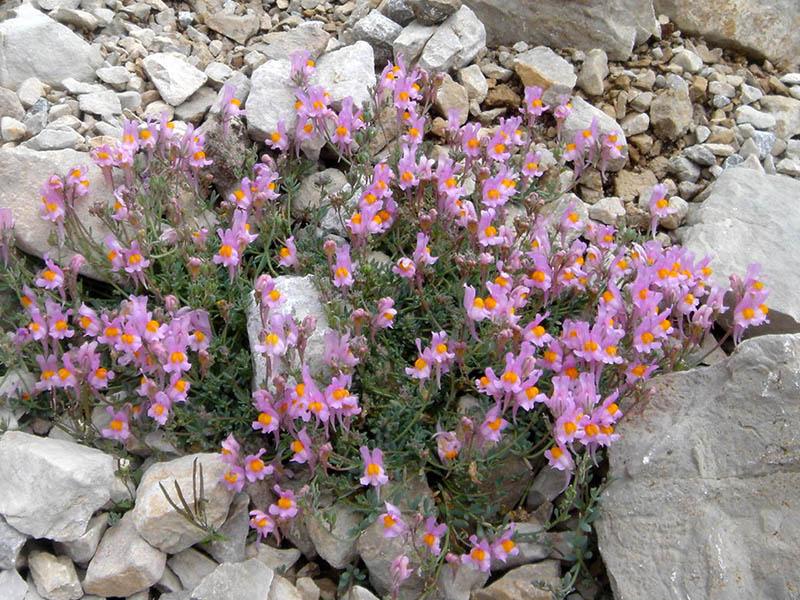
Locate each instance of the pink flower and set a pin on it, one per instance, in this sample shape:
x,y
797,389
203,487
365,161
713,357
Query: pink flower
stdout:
x,y
433,535
160,408
51,277
447,446
534,106
288,254
262,523
559,457
374,474
254,468
118,427
659,206
234,478
399,571
230,450
392,522
480,556
405,268
504,546
278,139
493,425
302,448
230,106
422,251
286,506
385,314
342,269
268,420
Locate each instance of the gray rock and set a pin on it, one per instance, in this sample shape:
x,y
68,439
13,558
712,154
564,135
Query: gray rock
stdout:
x,y
277,559
12,586
684,169
158,522
581,118
130,100
702,133
635,124
721,88
100,103
282,44
79,19
218,73
194,109
282,589
756,118
458,581
174,78
58,485
452,96
239,28
348,71
55,577
747,209
54,139
380,32
734,160
607,210
412,40
30,91
336,543
544,68
10,106
378,552
235,530
688,61
474,81
359,593
700,155
532,582
34,45
750,94
790,79
704,480
124,563
786,112
593,72
271,99
788,166
398,11
191,567
11,543
740,25
11,130
456,42
671,114
557,24
433,12
248,580
82,549
117,77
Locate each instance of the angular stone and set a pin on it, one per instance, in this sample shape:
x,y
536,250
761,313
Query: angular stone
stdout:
x,y
452,96
412,40
760,28
532,582
82,549
786,112
581,118
239,28
757,212
124,563
457,581
756,118
704,479
174,78
348,71
248,580
398,11
433,12
34,45
54,139
12,586
23,171
455,43
100,103
196,106
336,544
544,68
191,567
271,99
11,542
50,488
378,552
593,72
614,25
158,522
671,114
473,79
117,77
380,32
277,559
55,577
11,130
235,530
359,593
282,44
607,210
282,589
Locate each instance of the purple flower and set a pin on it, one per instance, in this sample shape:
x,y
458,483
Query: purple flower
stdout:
x,y
374,474
480,556
286,506
254,468
392,522
51,277
400,572
342,268
433,535
262,523
118,427
234,478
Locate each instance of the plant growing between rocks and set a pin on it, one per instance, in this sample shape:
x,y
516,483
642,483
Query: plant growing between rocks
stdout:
x,y
476,329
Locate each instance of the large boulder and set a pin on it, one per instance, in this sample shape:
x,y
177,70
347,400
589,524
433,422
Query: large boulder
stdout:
x,y
761,28
34,45
23,172
614,26
156,519
753,217
51,488
703,496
